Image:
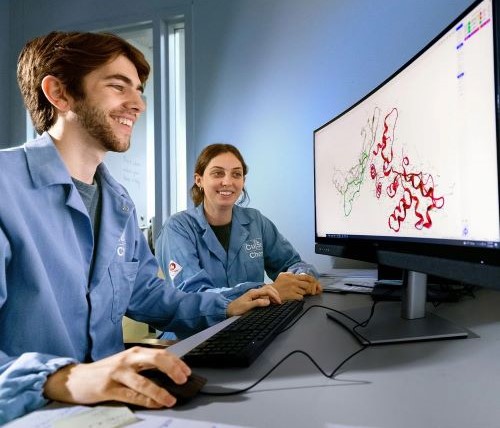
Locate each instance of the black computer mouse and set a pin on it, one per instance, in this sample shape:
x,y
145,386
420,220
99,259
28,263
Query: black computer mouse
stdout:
x,y
184,392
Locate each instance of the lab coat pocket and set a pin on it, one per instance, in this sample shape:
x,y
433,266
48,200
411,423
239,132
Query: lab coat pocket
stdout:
x,y
122,279
254,269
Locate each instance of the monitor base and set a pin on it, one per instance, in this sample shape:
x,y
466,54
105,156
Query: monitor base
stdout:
x,y
387,326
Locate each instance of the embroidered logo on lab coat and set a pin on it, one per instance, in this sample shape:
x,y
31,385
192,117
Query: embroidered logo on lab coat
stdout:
x,y
120,248
173,269
254,248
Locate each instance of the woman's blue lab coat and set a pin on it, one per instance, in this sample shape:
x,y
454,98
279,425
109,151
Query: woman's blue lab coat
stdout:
x,y
51,312
194,259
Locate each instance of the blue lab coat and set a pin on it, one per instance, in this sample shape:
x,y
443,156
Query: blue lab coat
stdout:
x,y
194,259
51,312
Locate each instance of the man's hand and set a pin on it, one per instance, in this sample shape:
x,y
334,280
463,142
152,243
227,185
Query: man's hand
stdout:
x,y
117,378
263,296
295,286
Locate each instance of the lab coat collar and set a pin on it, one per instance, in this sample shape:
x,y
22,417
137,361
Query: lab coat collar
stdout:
x,y
45,165
47,168
238,212
239,234
208,235
116,205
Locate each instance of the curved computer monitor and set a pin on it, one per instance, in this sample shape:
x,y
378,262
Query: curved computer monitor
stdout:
x,y
408,176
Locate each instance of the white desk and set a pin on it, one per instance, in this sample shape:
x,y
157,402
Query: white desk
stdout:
x,y
453,383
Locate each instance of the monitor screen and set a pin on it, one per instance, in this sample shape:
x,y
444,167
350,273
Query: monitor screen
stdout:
x,y
413,167
408,176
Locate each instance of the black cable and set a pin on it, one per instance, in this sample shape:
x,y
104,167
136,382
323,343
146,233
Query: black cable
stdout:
x,y
354,329
317,306
298,351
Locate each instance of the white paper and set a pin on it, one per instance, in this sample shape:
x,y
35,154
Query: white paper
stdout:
x,y
105,416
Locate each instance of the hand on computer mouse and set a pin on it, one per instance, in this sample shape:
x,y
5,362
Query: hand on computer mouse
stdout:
x,y
117,378
182,392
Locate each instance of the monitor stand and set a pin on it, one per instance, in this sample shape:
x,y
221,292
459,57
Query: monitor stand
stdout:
x,y
406,321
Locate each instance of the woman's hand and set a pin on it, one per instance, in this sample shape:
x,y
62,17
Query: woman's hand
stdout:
x,y
256,297
295,286
117,378
315,286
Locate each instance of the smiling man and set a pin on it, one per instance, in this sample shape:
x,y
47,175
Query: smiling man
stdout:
x,y
73,260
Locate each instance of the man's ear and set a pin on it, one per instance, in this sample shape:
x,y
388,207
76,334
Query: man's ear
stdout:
x,y
55,92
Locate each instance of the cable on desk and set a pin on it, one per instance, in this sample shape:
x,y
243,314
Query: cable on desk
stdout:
x,y
466,292
299,351
318,306
358,324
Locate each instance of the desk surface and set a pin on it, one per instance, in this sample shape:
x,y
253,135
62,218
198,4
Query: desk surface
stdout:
x,y
451,383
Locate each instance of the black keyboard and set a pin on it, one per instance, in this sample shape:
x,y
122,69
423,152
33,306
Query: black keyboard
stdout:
x,y
242,341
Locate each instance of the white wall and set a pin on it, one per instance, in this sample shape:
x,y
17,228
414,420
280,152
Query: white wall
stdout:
x,y
268,72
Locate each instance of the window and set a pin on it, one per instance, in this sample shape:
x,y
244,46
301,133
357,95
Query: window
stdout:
x,y
177,91
135,168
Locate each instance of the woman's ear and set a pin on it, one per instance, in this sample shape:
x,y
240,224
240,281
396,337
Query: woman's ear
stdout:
x,y
198,180
55,92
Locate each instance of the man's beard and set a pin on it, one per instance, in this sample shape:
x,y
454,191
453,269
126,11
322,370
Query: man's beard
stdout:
x,y
94,121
